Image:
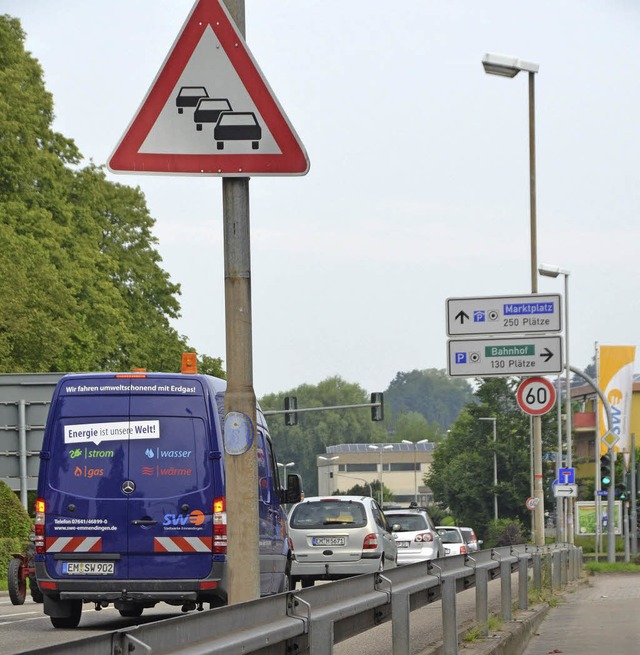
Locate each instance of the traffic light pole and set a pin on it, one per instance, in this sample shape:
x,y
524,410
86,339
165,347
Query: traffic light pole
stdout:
x,y
634,491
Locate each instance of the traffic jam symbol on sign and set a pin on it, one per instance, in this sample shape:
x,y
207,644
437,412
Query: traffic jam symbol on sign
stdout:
x,y
504,314
504,357
210,110
536,396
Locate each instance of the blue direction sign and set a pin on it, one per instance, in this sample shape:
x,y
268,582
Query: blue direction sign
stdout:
x,y
504,315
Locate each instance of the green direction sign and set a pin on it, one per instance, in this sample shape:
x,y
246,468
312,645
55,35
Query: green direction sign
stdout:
x,y
528,355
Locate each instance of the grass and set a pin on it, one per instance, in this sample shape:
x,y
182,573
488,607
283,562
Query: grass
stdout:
x,y
494,624
610,567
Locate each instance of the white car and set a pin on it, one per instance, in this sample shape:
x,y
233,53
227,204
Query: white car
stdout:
x,y
452,540
336,537
416,537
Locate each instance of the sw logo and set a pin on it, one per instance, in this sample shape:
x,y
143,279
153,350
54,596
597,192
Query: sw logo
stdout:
x,y
196,517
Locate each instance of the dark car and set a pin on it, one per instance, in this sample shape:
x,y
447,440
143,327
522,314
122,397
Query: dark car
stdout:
x,y
209,110
188,96
237,126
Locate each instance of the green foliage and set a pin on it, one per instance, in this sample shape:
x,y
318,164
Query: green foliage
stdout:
x,y
15,526
317,430
431,393
611,567
364,490
211,366
505,532
86,290
461,476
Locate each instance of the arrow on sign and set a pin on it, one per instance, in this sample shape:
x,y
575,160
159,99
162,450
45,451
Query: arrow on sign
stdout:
x,y
546,354
461,315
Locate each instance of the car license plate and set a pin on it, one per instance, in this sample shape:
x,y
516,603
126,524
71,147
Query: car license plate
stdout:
x,y
88,568
328,541
402,544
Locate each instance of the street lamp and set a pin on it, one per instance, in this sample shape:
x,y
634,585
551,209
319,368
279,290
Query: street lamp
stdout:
x,y
495,466
506,66
553,271
381,449
284,470
415,464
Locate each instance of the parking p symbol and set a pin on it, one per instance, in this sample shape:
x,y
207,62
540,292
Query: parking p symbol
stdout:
x,y
461,358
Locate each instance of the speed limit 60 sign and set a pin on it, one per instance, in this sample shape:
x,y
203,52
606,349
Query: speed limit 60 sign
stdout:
x,y
536,396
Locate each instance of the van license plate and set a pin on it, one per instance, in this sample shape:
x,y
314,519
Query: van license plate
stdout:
x,y
88,568
328,541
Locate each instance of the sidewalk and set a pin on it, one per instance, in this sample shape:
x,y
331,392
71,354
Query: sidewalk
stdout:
x,y
600,617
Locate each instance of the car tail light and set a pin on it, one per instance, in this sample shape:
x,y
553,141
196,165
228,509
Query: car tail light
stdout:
x,y
424,537
370,542
219,526
290,540
39,522
463,550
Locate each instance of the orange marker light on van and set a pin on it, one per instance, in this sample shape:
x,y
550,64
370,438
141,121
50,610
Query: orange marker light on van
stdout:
x,y
189,363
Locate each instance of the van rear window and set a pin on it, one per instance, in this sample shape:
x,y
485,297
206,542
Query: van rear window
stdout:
x,y
101,439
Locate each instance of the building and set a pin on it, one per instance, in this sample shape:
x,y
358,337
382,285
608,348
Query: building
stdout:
x,y
401,466
584,420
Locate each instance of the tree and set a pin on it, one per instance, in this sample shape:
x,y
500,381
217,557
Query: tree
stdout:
x,y
430,392
87,288
317,430
461,476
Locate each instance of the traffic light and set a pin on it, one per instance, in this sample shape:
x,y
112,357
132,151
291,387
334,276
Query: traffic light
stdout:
x,y
605,470
621,490
377,406
290,418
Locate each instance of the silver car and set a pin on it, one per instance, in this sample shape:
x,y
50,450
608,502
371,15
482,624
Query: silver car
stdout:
x,y
416,536
338,536
452,539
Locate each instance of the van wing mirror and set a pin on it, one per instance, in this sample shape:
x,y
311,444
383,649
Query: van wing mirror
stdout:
x,y
293,492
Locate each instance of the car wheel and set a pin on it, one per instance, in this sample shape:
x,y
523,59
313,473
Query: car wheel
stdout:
x,y
307,582
70,621
17,586
131,612
36,594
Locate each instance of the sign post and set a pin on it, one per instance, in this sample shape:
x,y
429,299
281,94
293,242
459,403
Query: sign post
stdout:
x,y
210,111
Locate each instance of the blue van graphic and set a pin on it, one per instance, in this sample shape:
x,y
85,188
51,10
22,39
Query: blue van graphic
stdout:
x,y
131,496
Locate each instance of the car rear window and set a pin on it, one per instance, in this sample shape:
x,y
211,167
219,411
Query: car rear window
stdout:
x,y
450,536
327,514
407,522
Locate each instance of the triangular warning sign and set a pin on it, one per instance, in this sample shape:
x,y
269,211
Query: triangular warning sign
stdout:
x,y
210,110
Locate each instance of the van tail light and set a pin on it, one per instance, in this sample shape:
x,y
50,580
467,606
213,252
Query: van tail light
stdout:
x,y
424,537
370,542
219,526
39,523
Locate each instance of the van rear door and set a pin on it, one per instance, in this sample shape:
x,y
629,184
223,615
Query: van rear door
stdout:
x,y
131,478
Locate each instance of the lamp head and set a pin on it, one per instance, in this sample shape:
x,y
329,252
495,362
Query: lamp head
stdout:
x,y
506,65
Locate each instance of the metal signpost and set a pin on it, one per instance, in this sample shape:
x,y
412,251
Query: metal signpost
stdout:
x,y
527,355
504,314
210,111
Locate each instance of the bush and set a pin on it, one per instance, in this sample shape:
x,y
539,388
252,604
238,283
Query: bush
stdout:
x,y
506,532
15,526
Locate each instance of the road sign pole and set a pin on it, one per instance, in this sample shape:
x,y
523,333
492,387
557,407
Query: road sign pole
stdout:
x,y
241,469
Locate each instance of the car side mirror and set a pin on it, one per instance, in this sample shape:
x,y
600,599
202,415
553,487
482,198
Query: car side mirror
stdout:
x,y
293,492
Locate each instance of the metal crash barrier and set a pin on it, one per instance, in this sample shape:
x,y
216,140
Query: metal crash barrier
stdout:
x,y
312,620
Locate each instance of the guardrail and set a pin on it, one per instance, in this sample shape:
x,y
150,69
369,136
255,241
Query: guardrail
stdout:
x,y
312,620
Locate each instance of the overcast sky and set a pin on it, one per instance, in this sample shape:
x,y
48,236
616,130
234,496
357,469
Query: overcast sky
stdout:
x,y
419,183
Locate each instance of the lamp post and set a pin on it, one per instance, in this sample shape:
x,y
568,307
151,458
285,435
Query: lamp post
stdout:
x,y
381,449
506,66
415,464
284,470
554,271
495,466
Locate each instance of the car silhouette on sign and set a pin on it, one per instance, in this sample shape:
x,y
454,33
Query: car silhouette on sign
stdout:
x,y
209,110
237,126
188,96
